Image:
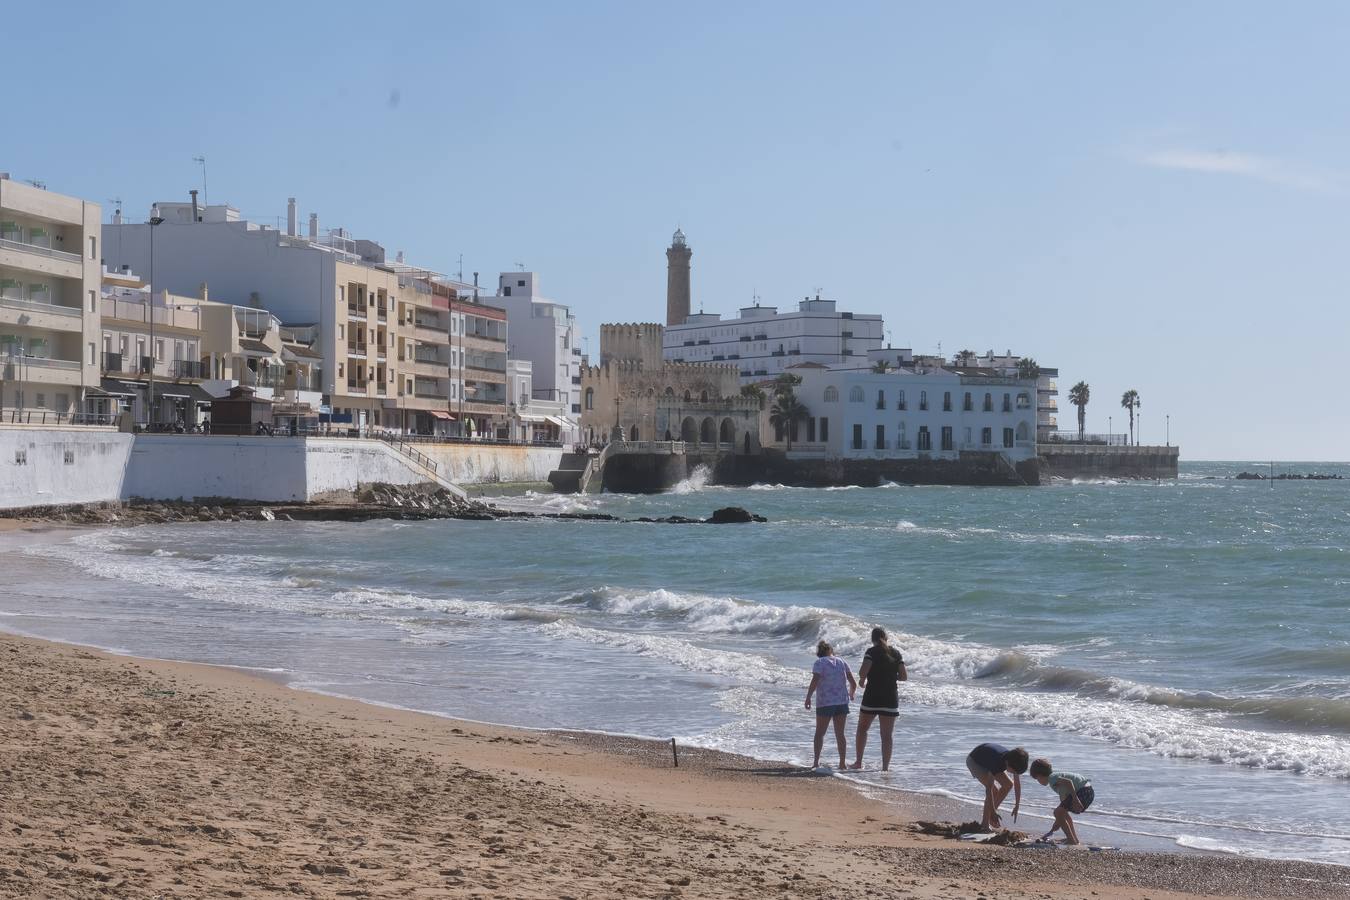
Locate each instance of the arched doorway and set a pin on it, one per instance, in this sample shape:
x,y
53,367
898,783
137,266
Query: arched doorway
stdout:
x,y
707,432
668,437
689,430
727,433
633,433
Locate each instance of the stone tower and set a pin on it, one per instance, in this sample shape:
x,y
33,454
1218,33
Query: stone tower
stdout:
x,y
677,280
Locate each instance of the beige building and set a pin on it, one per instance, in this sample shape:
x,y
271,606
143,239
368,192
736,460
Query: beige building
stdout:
x,y
635,395
49,303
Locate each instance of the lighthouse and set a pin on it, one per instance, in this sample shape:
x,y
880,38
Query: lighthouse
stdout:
x,y
677,279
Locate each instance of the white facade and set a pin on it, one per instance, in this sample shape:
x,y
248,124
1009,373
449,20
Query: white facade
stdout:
x,y
764,342
50,274
908,414
544,332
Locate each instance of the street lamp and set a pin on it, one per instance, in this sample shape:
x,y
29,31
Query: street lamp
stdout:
x,y
155,219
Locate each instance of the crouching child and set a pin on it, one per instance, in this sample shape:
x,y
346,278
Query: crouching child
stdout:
x,y
1075,796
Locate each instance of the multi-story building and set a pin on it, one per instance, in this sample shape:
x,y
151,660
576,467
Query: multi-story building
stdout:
x,y
143,337
49,303
1047,388
535,420
762,342
909,413
361,311
479,353
544,332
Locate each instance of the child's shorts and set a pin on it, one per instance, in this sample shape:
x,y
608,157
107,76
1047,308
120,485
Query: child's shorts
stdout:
x,y
1085,797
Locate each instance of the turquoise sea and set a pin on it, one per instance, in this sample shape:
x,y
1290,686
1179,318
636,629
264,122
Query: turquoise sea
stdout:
x,y
1186,643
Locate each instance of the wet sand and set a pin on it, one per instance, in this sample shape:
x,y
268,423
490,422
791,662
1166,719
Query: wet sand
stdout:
x,y
132,778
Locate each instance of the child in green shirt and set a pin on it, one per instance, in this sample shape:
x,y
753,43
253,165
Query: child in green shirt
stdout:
x,y
1075,796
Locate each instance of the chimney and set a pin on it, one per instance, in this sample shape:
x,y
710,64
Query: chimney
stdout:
x,y
313,226
398,257
475,287
196,214
205,291
117,217
290,216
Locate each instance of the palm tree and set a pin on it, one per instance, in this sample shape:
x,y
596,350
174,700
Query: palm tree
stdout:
x,y
787,411
1130,400
964,357
753,390
1078,396
880,367
1028,369
784,383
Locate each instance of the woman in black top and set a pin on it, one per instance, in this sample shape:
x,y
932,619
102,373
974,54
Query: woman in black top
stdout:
x,y
882,668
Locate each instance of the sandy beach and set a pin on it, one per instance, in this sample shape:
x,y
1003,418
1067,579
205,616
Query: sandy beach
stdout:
x,y
136,778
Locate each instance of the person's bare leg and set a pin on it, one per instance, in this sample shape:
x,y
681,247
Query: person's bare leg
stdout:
x,y
1070,831
887,728
840,740
987,781
860,739
822,723
1002,784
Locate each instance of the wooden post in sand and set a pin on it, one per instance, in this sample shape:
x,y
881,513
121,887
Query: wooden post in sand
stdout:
x,y
675,753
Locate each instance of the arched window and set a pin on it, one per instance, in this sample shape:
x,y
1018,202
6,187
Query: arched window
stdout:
x,y
1022,431
923,400
670,392
703,397
590,398
855,394
988,402
688,396
1023,400
881,399
832,394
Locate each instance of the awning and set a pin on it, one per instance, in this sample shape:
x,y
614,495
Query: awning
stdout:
x,y
525,417
561,423
95,392
442,415
119,388
255,347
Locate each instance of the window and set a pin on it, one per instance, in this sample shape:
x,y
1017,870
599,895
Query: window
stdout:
x,y
41,400
832,394
946,437
988,403
881,399
93,247
1024,400
340,369
900,403
1022,431
590,398
901,438
857,437
881,437
923,400
20,457
1007,437
520,282
811,429
69,457
987,437
93,301
966,440
506,291
855,394
824,429
967,404
925,439
1007,403
946,401
159,350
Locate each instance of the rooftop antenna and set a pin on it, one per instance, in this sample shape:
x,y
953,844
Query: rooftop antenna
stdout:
x,y
201,161
117,208
40,185
459,276
520,266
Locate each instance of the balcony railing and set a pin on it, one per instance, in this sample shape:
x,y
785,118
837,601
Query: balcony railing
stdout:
x,y
1073,437
112,362
356,311
188,368
39,306
358,349
25,247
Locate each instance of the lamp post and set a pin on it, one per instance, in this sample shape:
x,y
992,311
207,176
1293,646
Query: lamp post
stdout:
x,y
155,220
1167,430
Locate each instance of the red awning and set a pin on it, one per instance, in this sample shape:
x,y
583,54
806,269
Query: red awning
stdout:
x,y
442,415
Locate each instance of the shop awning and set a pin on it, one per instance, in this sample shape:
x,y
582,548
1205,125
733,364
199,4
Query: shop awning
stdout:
x,y
255,347
92,391
117,388
561,423
189,391
524,417
442,415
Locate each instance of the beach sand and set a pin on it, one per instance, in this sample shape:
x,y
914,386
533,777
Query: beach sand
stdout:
x,y
132,778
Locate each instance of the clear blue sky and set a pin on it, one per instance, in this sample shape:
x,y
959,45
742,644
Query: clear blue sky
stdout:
x,y
1149,195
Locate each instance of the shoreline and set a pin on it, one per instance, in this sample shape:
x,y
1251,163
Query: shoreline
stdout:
x,y
240,783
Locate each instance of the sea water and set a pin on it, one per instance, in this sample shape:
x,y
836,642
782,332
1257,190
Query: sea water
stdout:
x,y
1184,643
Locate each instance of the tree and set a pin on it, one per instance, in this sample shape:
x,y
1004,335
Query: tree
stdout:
x,y
787,411
1078,396
753,390
880,367
1130,400
784,383
1028,369
965,357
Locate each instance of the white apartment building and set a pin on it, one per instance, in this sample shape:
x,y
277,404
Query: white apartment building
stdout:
x,y
544,332
50,276
1047,387
908,414
385,344
764,342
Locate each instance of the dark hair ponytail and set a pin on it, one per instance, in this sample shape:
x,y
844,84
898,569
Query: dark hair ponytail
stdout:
x,y
879,638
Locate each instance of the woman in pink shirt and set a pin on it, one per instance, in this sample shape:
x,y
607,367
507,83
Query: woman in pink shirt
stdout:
x,y
832,679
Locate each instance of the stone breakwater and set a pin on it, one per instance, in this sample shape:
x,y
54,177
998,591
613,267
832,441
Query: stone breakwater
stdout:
x,y
375,501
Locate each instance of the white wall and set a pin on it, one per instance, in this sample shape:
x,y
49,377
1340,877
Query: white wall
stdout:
x,y
335,464
95,474
172,467
477,464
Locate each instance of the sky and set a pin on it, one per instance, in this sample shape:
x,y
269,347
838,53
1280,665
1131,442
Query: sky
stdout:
x,y
1149,196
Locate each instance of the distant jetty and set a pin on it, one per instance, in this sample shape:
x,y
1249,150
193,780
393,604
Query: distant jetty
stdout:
x,y
1286,476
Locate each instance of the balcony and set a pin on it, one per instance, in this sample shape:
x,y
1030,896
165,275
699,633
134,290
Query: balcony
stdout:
x,y
187,368
141,312
382,313
112,362
356,311
430,325
355,349
356,387
25,247
65,318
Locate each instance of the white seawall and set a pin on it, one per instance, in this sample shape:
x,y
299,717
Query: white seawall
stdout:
x,y
56,466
